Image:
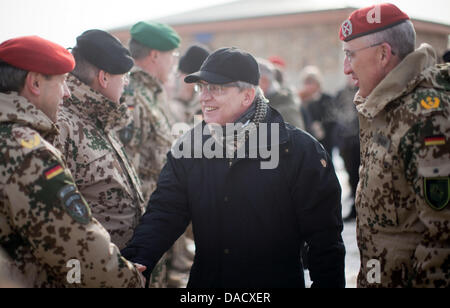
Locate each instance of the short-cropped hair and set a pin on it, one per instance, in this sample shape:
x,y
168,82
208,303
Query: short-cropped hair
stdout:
x,y
138,51
84,70
401,38
11,78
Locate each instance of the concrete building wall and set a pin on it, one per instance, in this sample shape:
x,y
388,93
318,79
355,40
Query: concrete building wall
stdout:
x,y
301,39
298,46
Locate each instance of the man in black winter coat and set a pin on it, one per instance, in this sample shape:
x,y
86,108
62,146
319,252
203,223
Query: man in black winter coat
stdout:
x,y
254,188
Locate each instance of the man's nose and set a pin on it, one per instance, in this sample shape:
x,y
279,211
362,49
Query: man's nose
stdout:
x,y
66,91
347,67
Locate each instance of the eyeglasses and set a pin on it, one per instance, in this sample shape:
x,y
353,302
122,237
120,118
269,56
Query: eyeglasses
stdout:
x,y
349,54
213,89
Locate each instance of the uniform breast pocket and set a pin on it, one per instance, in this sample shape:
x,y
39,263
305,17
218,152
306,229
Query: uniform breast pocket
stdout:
x,y
377,203
102,168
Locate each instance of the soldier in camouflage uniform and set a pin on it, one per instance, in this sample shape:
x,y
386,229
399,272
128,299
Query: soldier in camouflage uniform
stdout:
x,y
147,100
152,47
186,104
89,121
403,194
44,220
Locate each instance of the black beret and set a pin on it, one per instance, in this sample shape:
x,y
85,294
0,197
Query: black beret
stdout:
x,y
227,65
446,56
104,51
193,59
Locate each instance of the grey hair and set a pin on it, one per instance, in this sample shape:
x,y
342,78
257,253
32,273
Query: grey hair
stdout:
x,y
259,93
241,85
11,78
401,38
311,73
84,70
137,50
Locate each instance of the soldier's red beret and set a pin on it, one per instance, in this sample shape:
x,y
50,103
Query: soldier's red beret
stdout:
x,y
35,54
370,20
277,60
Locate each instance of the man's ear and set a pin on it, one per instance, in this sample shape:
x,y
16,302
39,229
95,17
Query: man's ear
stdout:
x,y
103,79
249,96
33,83
385,54
154,54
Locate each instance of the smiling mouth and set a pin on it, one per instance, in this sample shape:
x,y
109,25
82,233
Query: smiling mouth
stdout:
x,y
209,109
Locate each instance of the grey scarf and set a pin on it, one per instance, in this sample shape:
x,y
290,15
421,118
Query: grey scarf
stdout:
x,y
246,125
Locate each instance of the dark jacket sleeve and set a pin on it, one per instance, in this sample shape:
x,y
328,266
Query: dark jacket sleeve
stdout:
x,y
317,200
165,220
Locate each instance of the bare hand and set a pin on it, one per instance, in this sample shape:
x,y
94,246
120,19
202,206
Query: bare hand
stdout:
x,y
141,268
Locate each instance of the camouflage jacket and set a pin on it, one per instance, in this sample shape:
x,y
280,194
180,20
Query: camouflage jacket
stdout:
x,y
402,199
152,137
88,123
185,111
44,220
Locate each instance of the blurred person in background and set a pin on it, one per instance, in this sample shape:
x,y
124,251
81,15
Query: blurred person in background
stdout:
x,y
347,137
282,99
186,104
318,106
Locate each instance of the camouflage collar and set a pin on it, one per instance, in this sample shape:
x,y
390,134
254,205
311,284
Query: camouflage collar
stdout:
x,y
87,101
17,109
143,78
399,82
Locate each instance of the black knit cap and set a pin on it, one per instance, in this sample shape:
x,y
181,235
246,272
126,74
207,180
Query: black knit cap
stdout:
x,y
193,59
227,65
104,51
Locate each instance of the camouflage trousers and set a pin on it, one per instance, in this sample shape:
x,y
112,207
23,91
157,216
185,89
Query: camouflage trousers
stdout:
x,y
158,278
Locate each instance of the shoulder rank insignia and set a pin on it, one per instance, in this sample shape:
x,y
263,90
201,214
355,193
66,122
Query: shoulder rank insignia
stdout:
x,y
430,103
30,144
436,192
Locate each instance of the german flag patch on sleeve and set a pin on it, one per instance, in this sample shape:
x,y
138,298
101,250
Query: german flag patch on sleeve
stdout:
x,y
435,140
53,171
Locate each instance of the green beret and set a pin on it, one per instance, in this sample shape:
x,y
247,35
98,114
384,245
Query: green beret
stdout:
x,y
155,35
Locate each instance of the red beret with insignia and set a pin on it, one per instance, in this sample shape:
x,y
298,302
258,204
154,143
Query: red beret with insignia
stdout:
x,y
35,54
370,20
